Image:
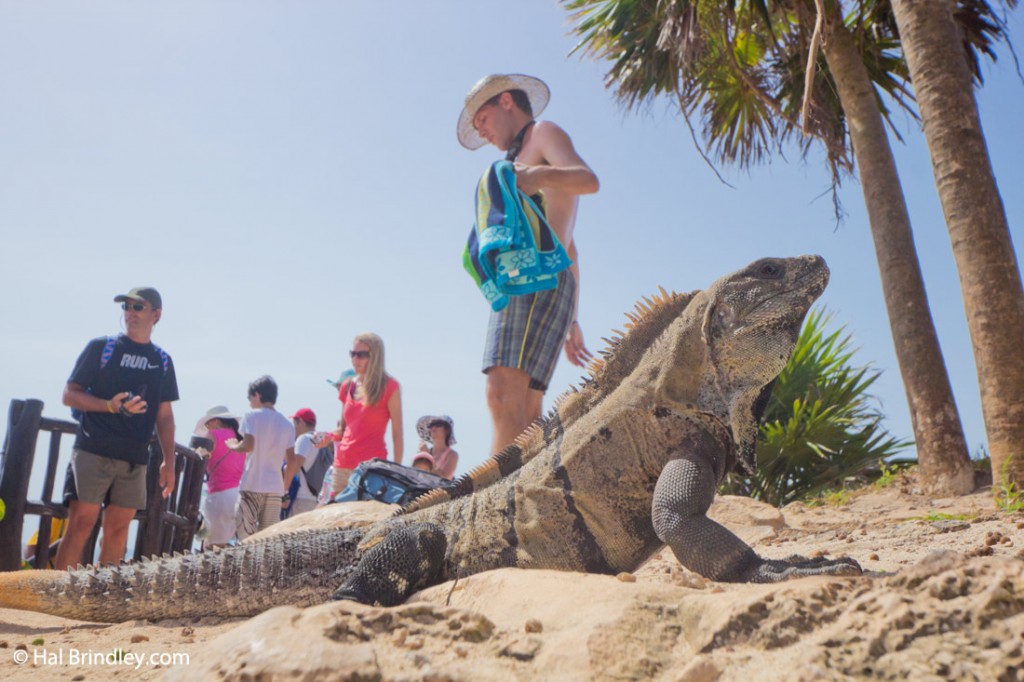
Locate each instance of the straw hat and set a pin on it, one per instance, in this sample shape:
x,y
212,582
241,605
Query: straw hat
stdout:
x,y
423,427
489,86
215,412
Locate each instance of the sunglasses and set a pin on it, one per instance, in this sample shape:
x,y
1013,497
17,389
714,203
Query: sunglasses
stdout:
x,y
362,354
137,307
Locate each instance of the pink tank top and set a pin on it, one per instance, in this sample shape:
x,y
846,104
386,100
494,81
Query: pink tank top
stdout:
x,y
225,466
364,427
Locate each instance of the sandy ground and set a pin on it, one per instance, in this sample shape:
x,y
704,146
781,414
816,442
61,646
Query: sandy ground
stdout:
x,y
663,622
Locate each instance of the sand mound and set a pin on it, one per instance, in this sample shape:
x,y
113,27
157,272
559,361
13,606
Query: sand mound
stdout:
x,y
942,599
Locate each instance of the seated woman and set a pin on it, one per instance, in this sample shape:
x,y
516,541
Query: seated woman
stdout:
x,y
437,435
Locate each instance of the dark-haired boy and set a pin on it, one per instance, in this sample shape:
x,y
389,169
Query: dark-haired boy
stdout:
x,y
267,439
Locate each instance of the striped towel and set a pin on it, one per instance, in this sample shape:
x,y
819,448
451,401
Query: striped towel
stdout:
x,y
511,249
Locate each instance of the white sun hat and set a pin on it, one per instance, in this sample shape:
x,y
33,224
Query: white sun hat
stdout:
x,y
424,422
489,86
215,412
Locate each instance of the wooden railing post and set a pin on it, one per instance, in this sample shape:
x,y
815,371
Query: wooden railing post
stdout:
x,y
16,459
164,525
151,530
188,493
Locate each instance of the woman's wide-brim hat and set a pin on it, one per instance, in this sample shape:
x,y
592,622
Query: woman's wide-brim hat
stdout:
x,y
489,86
215,412
423,427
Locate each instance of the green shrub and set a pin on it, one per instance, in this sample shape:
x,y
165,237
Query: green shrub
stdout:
x,y
820,427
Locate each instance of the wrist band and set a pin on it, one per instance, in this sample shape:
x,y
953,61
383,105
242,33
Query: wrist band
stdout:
x,y
110,407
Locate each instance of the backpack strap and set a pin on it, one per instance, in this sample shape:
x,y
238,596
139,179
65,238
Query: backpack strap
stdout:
x,y
209,472
108,351
164,357
348,387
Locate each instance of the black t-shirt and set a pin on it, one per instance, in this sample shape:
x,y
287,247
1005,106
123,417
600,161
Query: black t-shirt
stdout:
x,y
141,368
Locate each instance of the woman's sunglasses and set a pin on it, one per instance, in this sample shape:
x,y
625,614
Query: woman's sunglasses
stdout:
x,y
362,354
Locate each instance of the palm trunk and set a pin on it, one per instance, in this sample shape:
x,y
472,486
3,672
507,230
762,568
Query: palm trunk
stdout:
x,y
941,449
989,276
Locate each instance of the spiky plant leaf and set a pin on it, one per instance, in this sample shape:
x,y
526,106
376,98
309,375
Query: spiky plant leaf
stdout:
x,y
821,426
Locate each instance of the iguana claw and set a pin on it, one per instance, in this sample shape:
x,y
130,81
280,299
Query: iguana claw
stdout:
x,y
777,570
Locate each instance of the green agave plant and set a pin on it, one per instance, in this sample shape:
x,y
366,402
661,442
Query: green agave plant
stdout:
x,y
821,426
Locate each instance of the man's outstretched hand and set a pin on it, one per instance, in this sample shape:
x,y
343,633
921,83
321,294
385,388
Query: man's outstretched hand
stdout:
x,y
575,349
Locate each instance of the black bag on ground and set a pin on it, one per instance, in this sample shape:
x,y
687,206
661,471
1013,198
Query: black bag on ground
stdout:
x,y
387,482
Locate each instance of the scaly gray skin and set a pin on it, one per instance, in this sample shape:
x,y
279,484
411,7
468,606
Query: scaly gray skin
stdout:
x,y
301,568
628,463
622,466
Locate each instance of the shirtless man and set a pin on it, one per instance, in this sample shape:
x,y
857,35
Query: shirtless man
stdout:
x,y
523,340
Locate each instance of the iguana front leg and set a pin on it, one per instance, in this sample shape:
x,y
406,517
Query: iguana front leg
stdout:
x,y
682,496
408,559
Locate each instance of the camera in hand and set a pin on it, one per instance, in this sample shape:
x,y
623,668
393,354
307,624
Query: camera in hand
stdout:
x,y
201,442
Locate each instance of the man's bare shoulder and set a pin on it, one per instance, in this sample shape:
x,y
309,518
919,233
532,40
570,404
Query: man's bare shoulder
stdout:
x,y
547,132
554,145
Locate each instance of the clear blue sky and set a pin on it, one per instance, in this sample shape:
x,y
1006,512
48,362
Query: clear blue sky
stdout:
x,y
287,174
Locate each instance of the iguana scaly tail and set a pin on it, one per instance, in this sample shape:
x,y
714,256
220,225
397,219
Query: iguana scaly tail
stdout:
x,y
301,568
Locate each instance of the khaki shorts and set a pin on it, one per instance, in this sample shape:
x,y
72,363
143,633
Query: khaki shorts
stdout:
x,y
95,476
339,480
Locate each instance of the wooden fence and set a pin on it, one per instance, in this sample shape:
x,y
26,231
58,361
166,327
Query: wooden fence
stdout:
x,y
165,525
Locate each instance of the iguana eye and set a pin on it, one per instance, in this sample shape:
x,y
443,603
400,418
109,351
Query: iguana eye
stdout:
x,y
769,270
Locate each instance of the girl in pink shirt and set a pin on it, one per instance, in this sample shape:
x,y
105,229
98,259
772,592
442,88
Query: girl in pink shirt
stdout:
x,y
223,474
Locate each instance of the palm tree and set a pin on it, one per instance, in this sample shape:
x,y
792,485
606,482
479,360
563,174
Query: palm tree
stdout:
x,y
989,276
742,65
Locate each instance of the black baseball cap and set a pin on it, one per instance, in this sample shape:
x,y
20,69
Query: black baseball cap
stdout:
x,y
147,294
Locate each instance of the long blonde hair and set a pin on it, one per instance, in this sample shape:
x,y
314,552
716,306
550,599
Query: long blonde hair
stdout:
x,y
376,379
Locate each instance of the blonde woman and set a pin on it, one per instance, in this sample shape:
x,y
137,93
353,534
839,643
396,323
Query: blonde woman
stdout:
x,y
369,400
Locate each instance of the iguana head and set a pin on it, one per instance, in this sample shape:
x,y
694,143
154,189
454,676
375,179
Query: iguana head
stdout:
x,y
751,325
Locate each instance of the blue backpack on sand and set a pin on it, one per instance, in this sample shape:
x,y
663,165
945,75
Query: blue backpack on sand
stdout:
x,y
390,483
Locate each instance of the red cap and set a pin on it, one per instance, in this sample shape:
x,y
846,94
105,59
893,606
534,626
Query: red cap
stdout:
x,y
306,415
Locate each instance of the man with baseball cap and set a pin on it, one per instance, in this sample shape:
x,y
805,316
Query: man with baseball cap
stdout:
x,y
304,421
121,389
524,338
